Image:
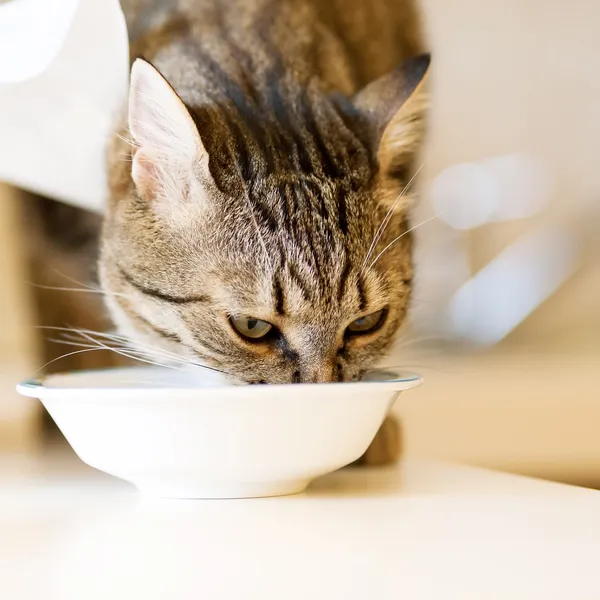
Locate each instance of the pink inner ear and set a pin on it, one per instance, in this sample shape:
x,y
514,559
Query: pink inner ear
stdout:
x,y
144,173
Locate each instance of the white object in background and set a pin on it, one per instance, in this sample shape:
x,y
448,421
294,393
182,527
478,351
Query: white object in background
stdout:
x,y
181,440
465,196
503,188
509,288
31,34
64,69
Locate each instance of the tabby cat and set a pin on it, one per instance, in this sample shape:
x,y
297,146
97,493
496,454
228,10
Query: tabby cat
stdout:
x,y
264,144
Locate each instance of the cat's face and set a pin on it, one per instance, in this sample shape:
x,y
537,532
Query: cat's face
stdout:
x,y
268,265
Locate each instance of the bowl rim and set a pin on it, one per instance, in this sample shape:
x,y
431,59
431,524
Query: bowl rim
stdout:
x,y
35,387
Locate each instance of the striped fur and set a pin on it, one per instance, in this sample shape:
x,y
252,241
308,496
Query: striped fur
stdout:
x,y
307,117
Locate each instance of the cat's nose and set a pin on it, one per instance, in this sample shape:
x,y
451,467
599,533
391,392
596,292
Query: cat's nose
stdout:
x,y
324,372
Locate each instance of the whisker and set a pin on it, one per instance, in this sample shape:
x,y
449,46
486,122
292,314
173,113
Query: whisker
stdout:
x,y
122,353
65,356
79,290
112,337
72,341
82,287
380,231
159,352
129,141
139,356
152,349
73,280
70,334
399,237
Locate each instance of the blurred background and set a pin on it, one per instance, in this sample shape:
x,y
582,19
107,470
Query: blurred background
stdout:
x,y
506,318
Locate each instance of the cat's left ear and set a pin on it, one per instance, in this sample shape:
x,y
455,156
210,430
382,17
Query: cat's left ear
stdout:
x,y
168,157
395,107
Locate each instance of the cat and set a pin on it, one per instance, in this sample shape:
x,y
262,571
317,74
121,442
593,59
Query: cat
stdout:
x,y
258,212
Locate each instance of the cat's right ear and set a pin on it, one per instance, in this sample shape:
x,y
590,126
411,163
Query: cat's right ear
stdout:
x,y
168,156
395,107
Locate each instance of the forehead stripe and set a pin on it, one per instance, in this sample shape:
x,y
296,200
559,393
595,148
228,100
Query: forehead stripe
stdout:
x,y
154,293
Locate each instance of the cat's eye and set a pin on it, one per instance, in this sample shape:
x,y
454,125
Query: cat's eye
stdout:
x,y
251,328
368,323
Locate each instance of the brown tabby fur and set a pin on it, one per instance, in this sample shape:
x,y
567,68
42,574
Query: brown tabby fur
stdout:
x,y
305,117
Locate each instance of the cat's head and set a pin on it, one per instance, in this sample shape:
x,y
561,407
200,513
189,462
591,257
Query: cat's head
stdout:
x,y
265,240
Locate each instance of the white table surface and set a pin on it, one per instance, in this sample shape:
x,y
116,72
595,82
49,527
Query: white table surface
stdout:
x,y
424,530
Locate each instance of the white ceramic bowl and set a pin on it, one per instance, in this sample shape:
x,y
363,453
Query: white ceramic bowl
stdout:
x,y
179,439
